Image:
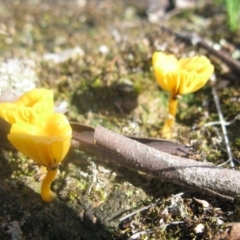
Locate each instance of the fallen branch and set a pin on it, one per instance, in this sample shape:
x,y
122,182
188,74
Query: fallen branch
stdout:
x,y
83,139
198,41
4,131
203,177
224,129
147,155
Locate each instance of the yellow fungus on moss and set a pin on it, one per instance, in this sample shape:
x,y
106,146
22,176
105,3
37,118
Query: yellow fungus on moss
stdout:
x,y
47,142
179,77
38,132
30,107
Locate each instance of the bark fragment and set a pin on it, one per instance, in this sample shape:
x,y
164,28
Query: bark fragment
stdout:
x,y
203,177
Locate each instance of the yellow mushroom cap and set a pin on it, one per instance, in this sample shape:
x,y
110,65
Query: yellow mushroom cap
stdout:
x,y
46,143
182,76
36,130
28,107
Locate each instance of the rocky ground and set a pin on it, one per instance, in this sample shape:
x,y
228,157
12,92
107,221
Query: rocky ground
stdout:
x,y
96,56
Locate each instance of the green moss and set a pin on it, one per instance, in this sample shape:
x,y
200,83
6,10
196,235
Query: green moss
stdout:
x,y
119,91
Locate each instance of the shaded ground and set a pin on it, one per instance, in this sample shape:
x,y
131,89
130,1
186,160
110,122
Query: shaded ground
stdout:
x,y
111,83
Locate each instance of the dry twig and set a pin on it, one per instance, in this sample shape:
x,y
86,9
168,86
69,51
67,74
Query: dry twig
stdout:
x,y
224,129
196,40
203,177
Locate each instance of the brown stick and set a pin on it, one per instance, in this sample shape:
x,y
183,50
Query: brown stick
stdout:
x,y
197,40
4,131
203,177
84,140
147,155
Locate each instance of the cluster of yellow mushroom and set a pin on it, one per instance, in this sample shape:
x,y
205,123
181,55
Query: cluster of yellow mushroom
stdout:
x,y
45,136
38,132
179,77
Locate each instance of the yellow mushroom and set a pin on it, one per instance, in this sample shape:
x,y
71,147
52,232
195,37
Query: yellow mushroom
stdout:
x,y
47,142
29,107
179,77
38,132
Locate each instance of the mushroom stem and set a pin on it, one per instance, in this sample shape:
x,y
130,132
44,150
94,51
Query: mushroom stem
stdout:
x,y
46,192
172,110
